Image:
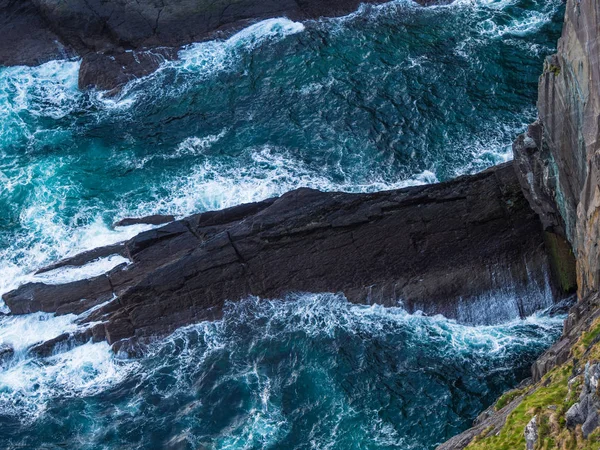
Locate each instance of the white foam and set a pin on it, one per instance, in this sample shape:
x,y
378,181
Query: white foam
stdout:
x,y
69,274
56,240
325,314
27,386
195,146
268,172
49,90
203,59
214,54
20,332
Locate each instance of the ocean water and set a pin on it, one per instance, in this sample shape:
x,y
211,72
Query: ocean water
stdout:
x,y
389,96
311,372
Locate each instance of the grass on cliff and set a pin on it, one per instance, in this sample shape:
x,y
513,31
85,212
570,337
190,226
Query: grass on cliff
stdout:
x,y
549,400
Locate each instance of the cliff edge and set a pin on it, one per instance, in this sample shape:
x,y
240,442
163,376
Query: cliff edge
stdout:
x,y
558,164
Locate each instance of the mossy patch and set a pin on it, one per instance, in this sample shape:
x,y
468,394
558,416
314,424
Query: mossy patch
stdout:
x,y
507,397
549,400
562,262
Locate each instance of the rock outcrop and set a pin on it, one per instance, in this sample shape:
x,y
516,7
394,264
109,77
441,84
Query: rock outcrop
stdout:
x,y
437,248
125,39
558,158
585,411
558,164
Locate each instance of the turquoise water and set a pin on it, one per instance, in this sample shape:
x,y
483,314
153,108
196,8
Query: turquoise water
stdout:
x,y
311,373
387,97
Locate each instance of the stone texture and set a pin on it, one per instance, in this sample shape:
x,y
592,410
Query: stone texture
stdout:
x,y
156,219
586,411
436,248
124,39
558,160
26,37
531,434
580,317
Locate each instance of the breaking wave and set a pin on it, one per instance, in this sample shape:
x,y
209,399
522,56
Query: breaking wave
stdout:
x,y
309,371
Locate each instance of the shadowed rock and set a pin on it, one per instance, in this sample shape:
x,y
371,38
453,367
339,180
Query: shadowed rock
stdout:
x,y
122,40
436,248
557,160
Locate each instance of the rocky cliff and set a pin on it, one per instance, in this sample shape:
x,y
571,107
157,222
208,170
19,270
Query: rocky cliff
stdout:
x,y
558,164
557,159
438,248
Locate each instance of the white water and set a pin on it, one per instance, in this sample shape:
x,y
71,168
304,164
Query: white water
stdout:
x,y
28,384
68,274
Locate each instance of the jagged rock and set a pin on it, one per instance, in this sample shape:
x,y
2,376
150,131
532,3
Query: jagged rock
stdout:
x,y
75,297
64,341
558,160
156,219
436,248
86,257
107,71
121,40
580,317
585,411
531,434
533,161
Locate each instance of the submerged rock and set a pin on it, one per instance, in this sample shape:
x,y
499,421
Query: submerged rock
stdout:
x,y
434,248
6,352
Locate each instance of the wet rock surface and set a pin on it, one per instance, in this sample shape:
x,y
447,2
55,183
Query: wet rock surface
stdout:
x,y
557,160
156,219
125,39
436,248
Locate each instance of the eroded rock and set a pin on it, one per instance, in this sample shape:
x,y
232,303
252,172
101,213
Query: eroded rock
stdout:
x,y
122,40
435,248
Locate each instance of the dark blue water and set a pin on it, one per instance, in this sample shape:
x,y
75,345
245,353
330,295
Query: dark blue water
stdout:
x,y
390,96
311,373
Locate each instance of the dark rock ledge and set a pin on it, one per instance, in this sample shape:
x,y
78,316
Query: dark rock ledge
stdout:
x,y
437,248
126,39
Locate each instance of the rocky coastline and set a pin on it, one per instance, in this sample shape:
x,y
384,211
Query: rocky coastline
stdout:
x,y
123,40
438,248
558,167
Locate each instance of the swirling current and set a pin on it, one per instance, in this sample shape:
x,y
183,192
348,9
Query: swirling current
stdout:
x,y
389,96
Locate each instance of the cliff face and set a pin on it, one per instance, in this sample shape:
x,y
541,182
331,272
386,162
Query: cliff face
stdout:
x,y
558,164
558,160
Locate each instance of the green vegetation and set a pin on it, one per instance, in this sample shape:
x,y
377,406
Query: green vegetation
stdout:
x,y
507,397
549,400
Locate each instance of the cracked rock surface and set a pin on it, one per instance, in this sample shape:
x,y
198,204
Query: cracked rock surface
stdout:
x,y
436,248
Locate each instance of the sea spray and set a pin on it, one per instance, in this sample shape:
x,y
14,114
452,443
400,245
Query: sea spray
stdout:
x,y
390,96
376,100
308,371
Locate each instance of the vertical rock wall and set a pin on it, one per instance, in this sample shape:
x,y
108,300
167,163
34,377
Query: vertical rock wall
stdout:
x,y
558,159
